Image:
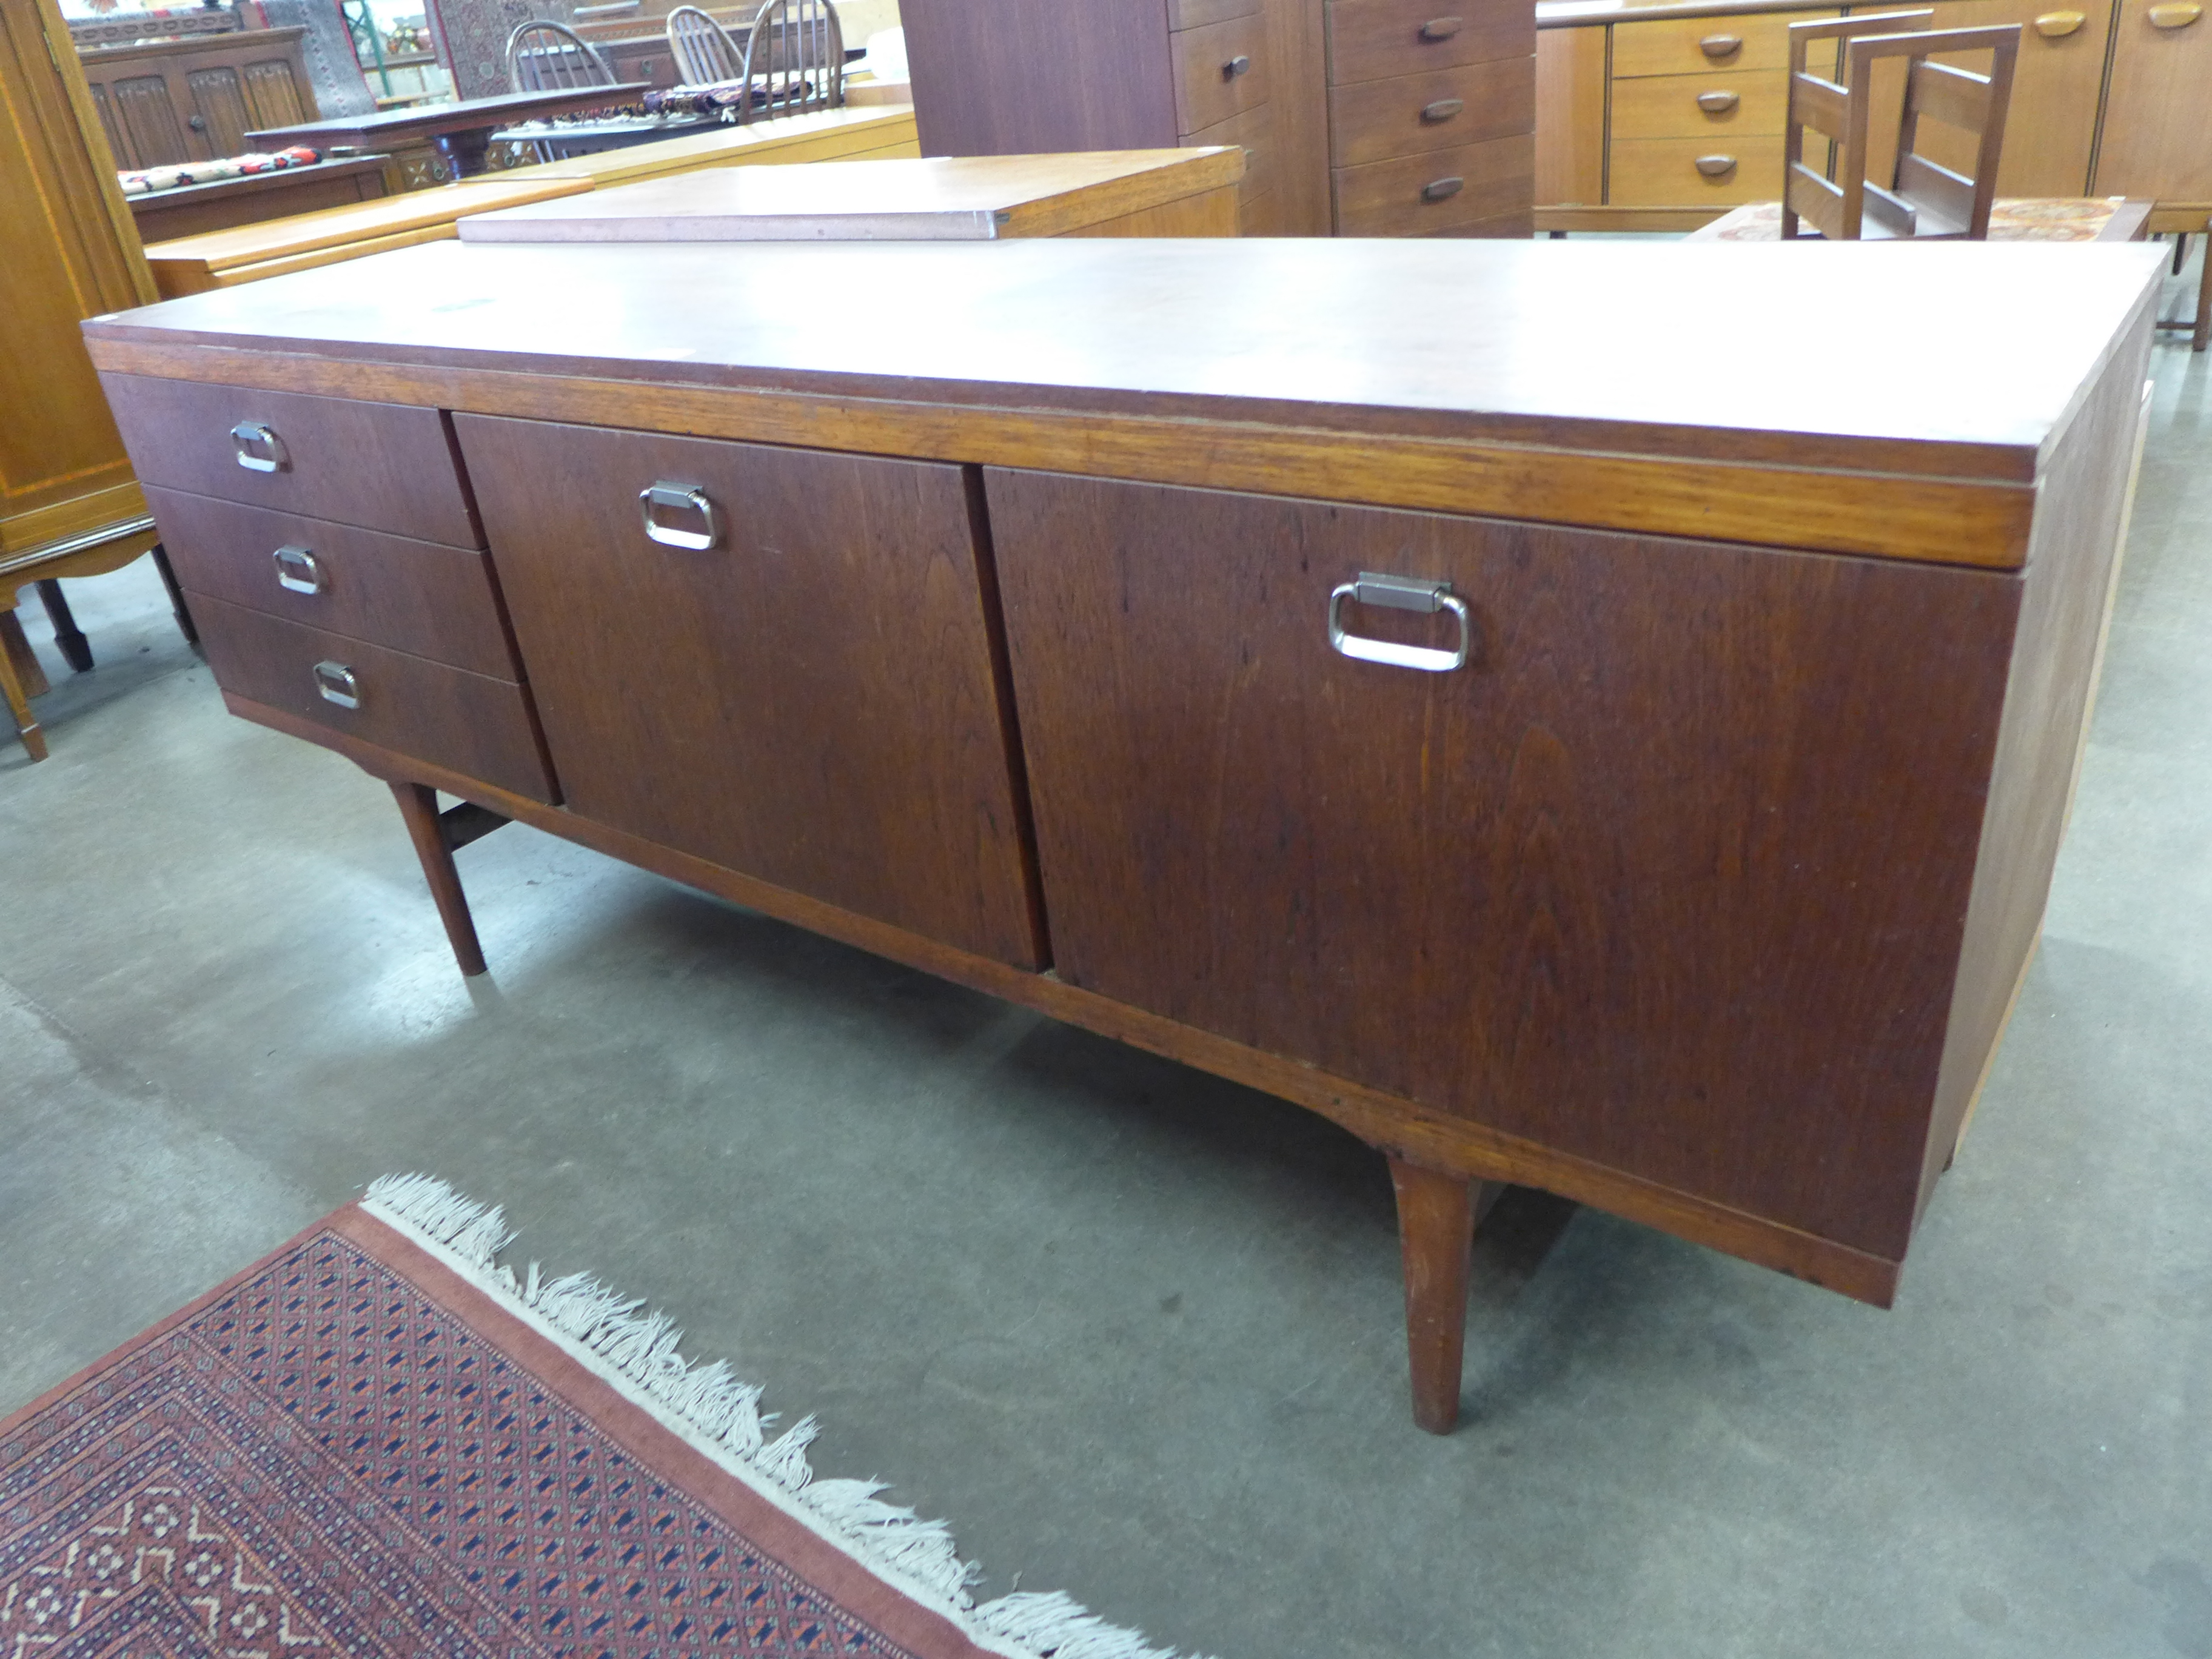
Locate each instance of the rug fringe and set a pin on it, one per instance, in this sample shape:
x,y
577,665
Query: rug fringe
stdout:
x,y
641,1347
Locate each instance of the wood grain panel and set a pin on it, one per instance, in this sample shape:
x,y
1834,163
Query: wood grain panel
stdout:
x,y
1210,88
1571,115
1664,172
1499,891
152,124
1196,13
1397,198
343,455
422,597
1028,77
1411,114
470,722
1381,40
812,700
2157,141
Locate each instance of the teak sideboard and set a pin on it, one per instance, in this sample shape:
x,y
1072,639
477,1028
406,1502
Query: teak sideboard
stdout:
x,y
1561,758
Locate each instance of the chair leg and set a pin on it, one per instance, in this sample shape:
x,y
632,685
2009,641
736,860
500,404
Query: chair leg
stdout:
x,y
2181,251
183,611
2203,336
77,650
17,687
1437,1215
418,805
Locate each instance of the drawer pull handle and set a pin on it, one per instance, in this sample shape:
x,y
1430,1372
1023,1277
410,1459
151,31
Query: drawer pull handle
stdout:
x,y
335,681
1235,67
298,570
1721,46
2058,25
1441,189
1716,167
1442,110
259,449
1718,103
1441,28
1399,593
681,497
2175,17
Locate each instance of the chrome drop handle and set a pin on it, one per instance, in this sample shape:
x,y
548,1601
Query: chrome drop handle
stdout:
x,y
259,449
682,497
298,570
1399,593
335,683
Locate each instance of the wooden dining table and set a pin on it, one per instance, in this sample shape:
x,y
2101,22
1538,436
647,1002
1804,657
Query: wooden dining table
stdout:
x,y
461,131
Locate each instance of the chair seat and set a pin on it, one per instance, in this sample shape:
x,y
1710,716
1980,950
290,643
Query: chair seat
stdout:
x,y
2018,219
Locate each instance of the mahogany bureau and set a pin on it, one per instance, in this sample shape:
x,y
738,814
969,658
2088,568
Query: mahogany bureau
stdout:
x,y
1561,755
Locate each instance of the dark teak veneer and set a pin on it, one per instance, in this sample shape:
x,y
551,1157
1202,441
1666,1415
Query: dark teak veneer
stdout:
x,y
1633,773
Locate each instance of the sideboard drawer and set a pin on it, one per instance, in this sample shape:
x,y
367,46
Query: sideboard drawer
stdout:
x,y
1376,40
1687,45
390,467
422,597
1680,172
1411,114
1220,70
470,723
1750,102
1423,195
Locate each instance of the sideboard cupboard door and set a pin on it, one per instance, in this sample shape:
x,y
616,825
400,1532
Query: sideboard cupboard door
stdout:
x,y
1671,874
809,699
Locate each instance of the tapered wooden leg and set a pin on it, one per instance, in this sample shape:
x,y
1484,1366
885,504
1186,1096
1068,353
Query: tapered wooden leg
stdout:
x,y
77,650
418,805
1437,1213
177,606
2201,336
20,678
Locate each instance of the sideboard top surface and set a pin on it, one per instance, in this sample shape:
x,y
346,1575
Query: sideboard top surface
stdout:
x,y
1960,361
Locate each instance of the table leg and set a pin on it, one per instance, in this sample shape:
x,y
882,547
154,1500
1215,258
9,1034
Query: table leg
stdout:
x,y
16,686
418,805
466,153
177,606
2203,336
75,649
1436,1214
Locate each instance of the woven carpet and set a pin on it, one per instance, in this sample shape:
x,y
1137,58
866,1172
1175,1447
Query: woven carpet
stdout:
x,y
377,1443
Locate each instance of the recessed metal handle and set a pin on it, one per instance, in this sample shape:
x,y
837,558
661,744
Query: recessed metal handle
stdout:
x,y
1721,46
1442,110
1718,103
1399,593
1438,189
335,681
1716,167
259,449
681,498
298,570
1235,67
1442,28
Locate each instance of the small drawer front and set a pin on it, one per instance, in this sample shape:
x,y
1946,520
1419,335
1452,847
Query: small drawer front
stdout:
x,y
1220,70
389,466
1381,40
1412,114
1687,45
1197,14
1254,132
1420,195
1689,172
470,723
1693,106
422,597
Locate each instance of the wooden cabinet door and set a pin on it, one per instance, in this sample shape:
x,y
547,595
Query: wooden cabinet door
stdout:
x,y
810,700
1671,874
2158,130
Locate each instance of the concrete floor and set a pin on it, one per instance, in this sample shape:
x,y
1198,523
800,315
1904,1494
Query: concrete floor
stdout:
x,y
1135,1332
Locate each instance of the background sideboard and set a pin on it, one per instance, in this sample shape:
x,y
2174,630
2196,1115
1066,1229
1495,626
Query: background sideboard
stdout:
x,y
2107,103
163,102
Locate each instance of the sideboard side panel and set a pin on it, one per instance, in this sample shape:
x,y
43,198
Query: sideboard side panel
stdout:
x,y
1672,876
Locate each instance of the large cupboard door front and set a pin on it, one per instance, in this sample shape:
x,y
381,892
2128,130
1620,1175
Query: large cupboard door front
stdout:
x,y
779,661
2157,139
1671,873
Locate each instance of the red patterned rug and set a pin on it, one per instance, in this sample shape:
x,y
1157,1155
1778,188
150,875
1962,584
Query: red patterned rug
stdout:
x,y
377,1443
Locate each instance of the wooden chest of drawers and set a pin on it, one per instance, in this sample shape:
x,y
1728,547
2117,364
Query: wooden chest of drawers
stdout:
x,y
1630,772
